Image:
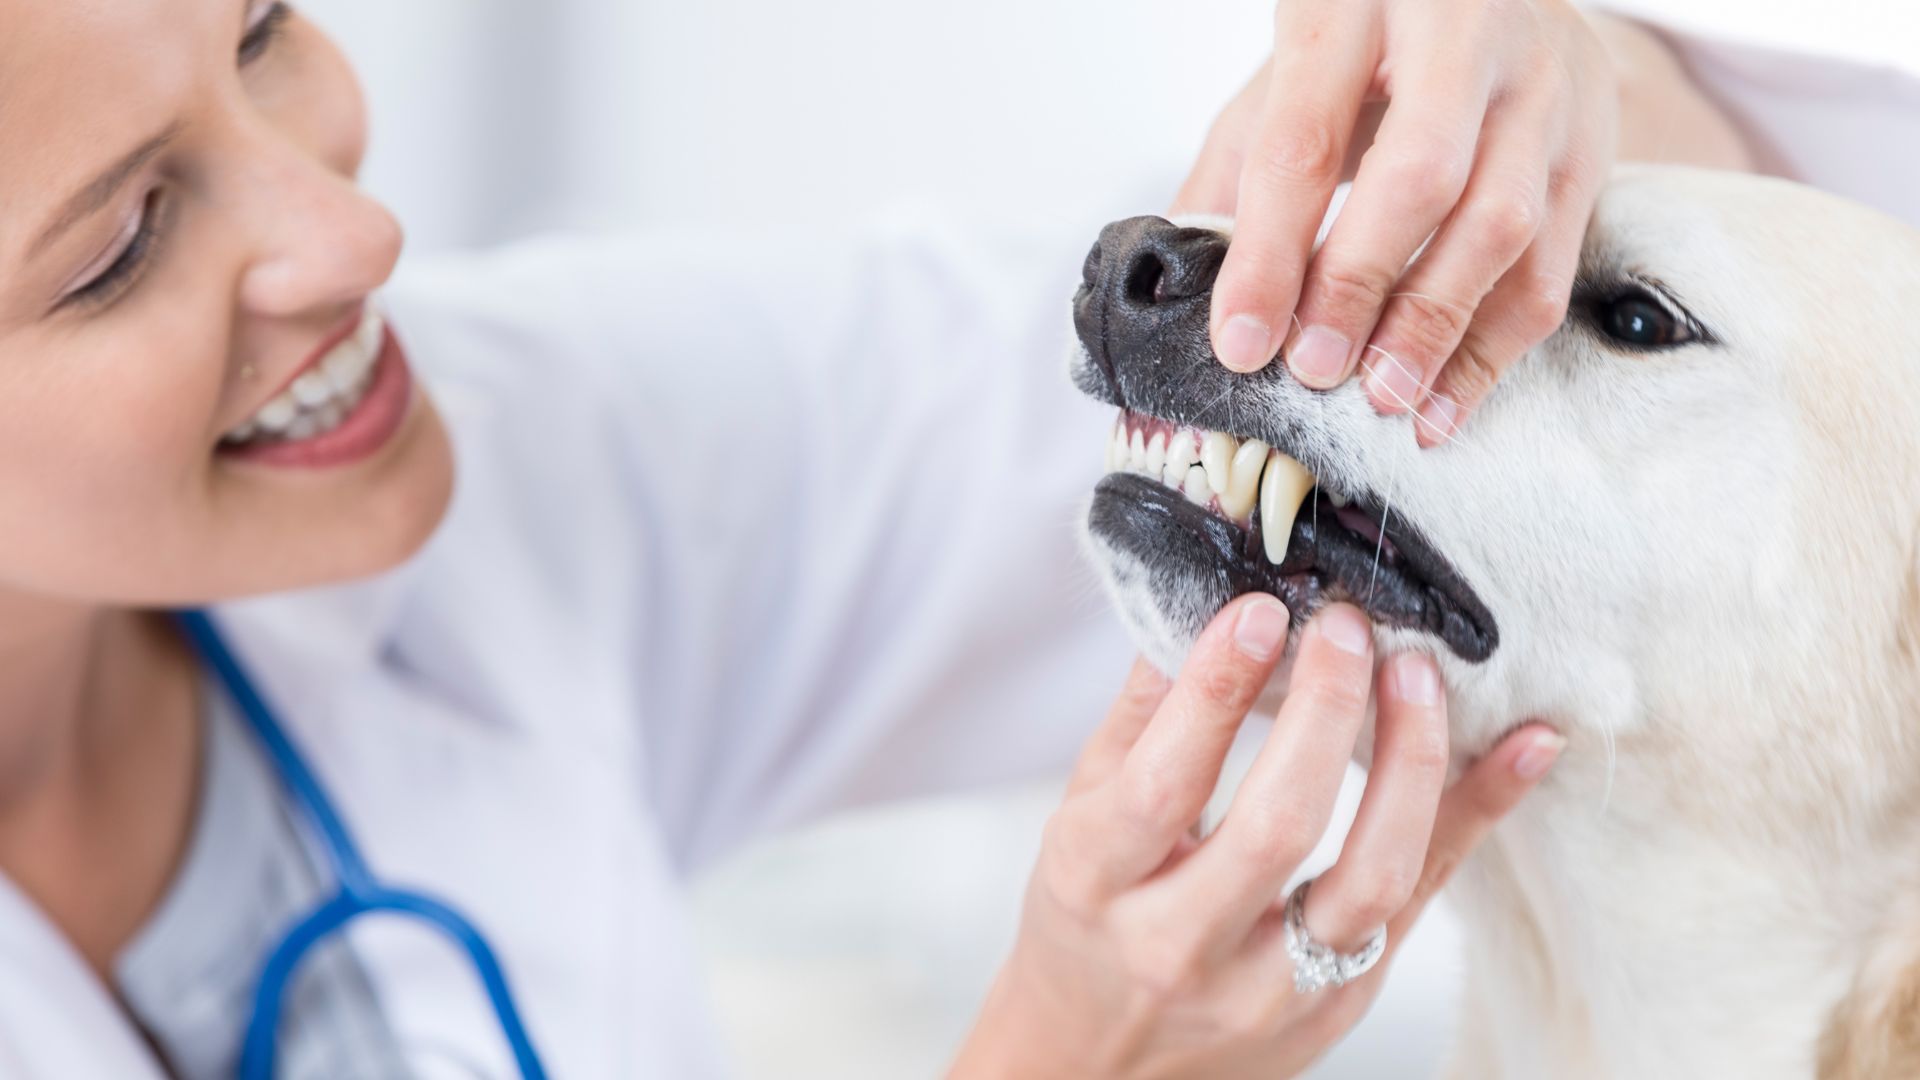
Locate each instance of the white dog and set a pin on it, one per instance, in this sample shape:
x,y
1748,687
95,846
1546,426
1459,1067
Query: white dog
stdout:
x,y
1685,531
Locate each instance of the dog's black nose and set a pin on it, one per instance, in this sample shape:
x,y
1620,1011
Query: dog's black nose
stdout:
x,y
1147,261
1145,280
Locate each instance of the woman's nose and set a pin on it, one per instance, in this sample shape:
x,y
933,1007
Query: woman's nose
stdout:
x,y
324,243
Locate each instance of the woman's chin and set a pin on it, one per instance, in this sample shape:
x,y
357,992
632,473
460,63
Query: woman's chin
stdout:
x,y
317,535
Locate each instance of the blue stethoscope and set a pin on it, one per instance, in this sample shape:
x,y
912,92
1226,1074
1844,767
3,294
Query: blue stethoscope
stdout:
x,y
360,893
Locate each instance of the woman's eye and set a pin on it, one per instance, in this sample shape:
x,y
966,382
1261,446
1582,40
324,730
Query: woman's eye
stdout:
x,y
120,274
262,31
1635,319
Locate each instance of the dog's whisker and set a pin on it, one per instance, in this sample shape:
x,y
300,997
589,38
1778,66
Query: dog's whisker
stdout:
x,y
1386,513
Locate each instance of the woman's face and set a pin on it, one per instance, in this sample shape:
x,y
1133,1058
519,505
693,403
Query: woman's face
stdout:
x,y
180,237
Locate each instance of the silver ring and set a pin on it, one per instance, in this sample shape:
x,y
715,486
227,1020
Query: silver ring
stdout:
x,y
1317,967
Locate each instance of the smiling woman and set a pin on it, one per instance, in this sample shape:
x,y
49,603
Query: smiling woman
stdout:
x,y
184,240
184,261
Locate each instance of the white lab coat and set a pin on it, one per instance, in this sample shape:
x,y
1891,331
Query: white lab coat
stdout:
x,y
740,534
745,530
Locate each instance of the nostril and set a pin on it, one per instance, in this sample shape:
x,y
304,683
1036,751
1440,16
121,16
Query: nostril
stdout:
x,y
1147,280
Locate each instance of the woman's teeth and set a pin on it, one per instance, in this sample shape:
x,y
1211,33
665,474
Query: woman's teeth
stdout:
x,y
324,395
1216,470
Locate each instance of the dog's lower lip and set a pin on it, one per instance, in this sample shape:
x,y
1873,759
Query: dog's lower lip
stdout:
x,y
1324,561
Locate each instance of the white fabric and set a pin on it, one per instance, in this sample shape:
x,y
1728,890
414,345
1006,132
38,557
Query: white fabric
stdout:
x,y
248,873
733,542
1846,127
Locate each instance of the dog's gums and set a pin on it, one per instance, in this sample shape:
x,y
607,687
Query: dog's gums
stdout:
x,y
1214,469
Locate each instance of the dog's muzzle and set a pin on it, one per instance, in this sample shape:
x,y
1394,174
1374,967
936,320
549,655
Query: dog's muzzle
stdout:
x,y
1216,485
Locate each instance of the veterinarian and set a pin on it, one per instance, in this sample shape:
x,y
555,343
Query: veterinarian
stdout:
x,y
494,605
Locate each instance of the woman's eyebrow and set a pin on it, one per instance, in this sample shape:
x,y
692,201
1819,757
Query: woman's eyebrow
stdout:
x,y
101,190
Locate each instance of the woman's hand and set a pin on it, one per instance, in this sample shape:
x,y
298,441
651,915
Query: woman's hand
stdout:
x,y
1500,129
1146,952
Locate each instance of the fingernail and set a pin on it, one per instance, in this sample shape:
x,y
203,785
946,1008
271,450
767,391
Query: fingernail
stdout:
x,y
1539,756
1391,383
1246,343
1416,679
1261,629
1346,628
1319,358
1438,416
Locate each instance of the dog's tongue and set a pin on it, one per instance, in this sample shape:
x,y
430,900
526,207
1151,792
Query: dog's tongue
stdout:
x,y
1283,487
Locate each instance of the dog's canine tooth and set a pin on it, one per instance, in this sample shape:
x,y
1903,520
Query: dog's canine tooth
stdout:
x,y
1216,456
1336,498
1282,487
1243,479
1183,452
1117,447
1195,487
1137,453
1157,454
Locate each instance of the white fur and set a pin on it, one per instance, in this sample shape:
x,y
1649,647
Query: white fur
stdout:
x,y
1701,563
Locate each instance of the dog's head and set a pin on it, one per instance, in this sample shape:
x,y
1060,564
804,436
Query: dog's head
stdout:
x,y
1710,474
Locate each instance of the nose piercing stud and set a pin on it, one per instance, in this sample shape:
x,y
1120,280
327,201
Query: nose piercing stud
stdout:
x,y
246,371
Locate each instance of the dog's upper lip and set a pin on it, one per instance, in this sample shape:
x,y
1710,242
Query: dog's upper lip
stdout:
x,y
348,324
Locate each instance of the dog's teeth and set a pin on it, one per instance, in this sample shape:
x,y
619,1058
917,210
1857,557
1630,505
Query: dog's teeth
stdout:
x,y
1195,487
1117,448
1183,452
1336,498
1243,480
1137,453
1216,456
1282,487
1157,454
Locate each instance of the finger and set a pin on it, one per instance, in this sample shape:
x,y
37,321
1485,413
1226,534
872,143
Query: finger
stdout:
x,y
1257,994
1379,865
1495,222
1323,63
1214,183
1470,809
1524,309
1408,181
1164,781
1142,693
1283,805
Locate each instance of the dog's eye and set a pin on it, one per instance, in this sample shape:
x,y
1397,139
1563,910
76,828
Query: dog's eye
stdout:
x,y
1637,320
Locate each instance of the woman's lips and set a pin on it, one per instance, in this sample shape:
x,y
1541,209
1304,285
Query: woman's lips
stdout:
x,y
370,426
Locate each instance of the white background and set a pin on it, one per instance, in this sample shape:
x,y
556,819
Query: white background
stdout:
x,y
861,949
497,117
494,117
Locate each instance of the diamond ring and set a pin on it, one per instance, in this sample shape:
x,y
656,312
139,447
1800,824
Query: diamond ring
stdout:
x,y
1317,967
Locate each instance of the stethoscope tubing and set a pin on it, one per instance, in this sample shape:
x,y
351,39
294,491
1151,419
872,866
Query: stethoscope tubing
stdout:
x,y
360,891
